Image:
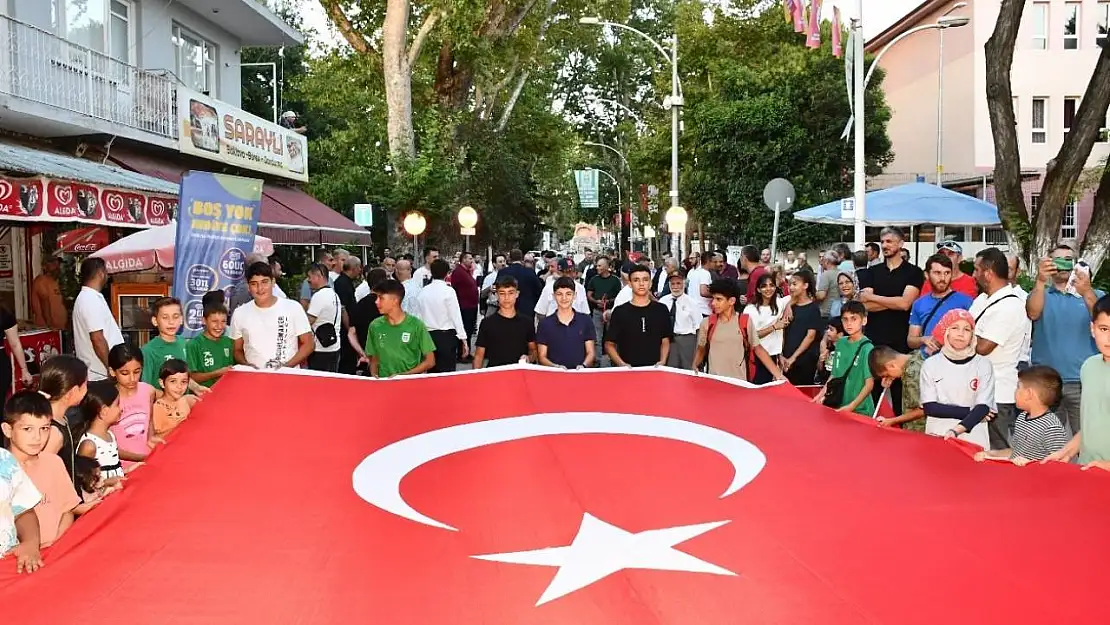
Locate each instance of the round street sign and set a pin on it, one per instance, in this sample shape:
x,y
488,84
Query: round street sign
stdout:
x,y
779,194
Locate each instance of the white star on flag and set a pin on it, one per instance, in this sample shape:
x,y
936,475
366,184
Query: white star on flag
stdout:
x,y
601,549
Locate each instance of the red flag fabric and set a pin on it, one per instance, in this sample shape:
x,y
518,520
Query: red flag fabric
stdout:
x,y
799,16
837,45
813,30
538,497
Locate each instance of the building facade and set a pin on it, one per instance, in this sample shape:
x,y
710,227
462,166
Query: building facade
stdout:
x,y
104,104
1057,48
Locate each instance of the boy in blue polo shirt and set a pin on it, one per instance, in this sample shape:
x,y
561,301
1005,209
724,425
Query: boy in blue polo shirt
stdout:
x,y
566,338
929,309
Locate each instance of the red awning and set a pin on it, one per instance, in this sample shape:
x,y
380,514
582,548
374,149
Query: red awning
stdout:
x,y
289,216
83,240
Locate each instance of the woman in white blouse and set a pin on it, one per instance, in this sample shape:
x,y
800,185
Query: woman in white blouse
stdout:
x,y
769,316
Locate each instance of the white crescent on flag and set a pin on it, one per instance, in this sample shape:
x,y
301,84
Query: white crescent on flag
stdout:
x,y
377,479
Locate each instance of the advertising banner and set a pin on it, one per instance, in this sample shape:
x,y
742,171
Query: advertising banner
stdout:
x,y
218,131
215,233
586,179
40,198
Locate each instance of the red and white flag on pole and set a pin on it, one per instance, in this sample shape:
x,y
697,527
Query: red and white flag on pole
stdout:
x,y
529,496
813,30
798,12
837,44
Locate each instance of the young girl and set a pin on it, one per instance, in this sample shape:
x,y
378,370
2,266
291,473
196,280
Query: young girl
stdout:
x,y
766,314
135,431
63,381
800,341
172,405
957,384
89,484
99,412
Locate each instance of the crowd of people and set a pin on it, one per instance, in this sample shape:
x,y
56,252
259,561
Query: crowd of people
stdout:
x,y
1023,375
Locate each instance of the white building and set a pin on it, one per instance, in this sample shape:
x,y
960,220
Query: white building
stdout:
x,y
105,103
1056,52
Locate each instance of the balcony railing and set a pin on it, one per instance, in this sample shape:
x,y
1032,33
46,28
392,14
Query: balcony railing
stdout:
x,y
39,66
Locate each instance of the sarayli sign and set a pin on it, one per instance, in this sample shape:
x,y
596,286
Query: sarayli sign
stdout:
x,y
216,130
46,199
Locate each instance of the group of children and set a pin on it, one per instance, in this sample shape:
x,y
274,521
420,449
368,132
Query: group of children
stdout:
x,y
952,390
72,442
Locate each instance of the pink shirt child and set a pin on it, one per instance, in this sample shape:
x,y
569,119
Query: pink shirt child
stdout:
x,y
134,421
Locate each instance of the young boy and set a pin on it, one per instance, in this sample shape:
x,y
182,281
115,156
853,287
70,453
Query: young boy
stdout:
x,y
825,357
566,338
505,337
26,424
165,316
1092,442
1038,432
19,526
209,354
397,343
850,362
722,339
888,365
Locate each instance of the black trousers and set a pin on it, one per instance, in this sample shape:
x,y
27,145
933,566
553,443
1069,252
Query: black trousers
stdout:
x,y
447,350
470,324
348,359
324,361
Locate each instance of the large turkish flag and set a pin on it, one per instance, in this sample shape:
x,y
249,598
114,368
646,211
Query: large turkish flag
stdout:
x,y
474,498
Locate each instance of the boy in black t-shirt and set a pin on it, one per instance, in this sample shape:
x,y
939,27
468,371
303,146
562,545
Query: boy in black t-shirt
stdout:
x,y
505,337
640,331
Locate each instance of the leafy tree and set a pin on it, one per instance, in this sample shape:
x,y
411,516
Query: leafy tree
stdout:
x,y
759,105
1034,234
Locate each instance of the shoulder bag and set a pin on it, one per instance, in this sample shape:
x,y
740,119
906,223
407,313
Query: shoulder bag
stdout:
x,y
834,388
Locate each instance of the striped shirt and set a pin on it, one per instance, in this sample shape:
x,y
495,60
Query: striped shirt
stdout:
x,y
1036,438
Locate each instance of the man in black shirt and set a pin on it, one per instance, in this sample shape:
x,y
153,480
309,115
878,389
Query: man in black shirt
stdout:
x,y
527,283
639,333
894,286
344,287
505,337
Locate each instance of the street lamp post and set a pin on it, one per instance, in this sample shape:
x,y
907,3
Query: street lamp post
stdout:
x,y
617,186
415,225
676,223
468,218
675,100
625,245
860,82
940,95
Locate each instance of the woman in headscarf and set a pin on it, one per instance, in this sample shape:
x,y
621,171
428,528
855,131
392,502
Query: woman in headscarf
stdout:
x,y
957,384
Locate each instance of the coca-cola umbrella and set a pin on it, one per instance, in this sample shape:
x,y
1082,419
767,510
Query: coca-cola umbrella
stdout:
x,y
154,247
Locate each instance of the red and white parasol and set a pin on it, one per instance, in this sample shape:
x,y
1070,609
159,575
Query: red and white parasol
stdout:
x,y
154,247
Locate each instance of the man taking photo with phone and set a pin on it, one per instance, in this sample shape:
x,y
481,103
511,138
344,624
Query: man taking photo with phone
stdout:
x,y
1060,306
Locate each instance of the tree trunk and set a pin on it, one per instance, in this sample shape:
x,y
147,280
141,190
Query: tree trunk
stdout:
x,y
1065,169
1000,105
1096,243
398,83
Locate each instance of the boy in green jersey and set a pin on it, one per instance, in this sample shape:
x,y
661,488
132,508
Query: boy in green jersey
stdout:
x,y
397,343
210,353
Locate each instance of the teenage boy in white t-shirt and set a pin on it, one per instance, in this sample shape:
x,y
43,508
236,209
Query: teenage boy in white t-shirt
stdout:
x,y
269,332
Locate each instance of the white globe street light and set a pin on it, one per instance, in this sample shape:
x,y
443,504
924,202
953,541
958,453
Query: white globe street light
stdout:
x,y
415,225
676,218
468,218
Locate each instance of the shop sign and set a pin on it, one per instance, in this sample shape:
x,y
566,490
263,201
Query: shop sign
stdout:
x,y
218,131
45,199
